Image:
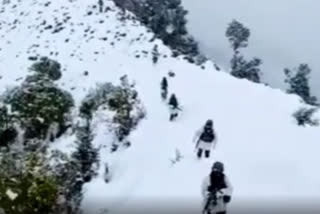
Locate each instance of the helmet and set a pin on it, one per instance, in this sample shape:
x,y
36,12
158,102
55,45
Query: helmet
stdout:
x,y
209,122
218,166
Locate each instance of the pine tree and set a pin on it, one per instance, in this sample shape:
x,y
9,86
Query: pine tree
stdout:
x,y
164,88
298,81
238,36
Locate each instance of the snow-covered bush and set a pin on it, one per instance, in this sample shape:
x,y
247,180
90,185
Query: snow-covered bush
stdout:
x,y
28,189
128,107
122,100
304,116
32,180
38,103
96,98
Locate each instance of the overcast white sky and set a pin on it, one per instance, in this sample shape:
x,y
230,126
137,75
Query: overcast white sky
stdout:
x,y
284,33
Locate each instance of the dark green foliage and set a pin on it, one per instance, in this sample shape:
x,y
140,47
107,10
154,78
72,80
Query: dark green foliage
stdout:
x,y
38,103
164,88
304,116
39,106
34,190
238,35
246,70
173,101
86,156
298,81
167,19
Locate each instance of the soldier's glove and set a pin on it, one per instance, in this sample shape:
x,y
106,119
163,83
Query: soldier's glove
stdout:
x,y
226,199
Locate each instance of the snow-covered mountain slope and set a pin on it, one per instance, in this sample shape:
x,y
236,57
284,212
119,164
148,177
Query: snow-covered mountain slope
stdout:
x,y
266,155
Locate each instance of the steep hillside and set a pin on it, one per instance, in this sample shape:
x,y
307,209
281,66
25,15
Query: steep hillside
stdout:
x,y
267,156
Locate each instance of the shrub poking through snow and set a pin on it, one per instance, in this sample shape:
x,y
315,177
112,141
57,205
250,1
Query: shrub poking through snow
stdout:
x,y
128,107
298,81
122,100
304,116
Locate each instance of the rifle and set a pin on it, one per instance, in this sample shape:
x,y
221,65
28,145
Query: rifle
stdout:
x,y
211,201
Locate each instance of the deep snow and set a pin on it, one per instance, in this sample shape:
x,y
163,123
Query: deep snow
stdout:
x,y
268,158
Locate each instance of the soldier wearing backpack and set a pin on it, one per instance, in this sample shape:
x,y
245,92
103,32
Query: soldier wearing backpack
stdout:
x,y
205,139
216,190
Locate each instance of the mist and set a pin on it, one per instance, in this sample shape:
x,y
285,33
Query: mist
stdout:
x,y
284,33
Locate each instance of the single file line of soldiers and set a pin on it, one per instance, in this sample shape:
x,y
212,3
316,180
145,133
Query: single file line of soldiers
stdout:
x,y
216,188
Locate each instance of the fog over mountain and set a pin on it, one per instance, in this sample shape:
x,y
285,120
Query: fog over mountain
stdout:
x,y
283,33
